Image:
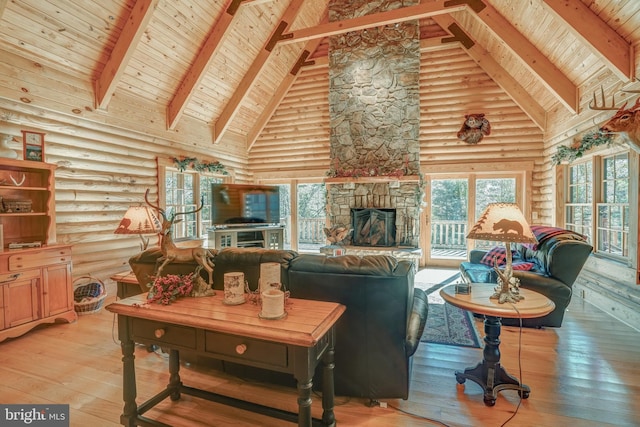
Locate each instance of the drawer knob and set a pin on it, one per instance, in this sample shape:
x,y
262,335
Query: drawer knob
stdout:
x,y
159,333
241,348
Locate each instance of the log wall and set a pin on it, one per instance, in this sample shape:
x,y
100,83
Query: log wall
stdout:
x,y
106,160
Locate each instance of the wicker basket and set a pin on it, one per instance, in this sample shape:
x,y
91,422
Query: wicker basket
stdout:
x,y
16,205
89,294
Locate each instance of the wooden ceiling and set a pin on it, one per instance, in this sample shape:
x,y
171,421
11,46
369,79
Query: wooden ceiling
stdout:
x,y
226,63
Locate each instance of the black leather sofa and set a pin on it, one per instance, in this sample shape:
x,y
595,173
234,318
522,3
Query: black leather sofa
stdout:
x,y
556,261
376,336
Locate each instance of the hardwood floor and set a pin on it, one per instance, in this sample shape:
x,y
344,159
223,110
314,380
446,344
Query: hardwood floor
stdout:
x,y
585,373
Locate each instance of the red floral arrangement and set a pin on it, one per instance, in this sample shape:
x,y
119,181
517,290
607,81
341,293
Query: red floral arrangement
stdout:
x,y
166,289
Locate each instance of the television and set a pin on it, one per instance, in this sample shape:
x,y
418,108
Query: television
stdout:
x,y
245,204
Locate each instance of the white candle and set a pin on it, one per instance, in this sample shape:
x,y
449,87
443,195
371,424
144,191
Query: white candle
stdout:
x,y
272,304
269,274
234,288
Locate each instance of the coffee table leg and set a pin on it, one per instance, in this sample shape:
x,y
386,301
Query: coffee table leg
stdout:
x,y
489,374
328,389
174,374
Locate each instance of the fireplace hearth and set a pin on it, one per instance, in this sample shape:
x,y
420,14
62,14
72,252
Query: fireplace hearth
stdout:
x,y
374,227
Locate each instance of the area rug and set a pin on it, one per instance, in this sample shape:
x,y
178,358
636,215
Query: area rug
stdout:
x,y
447,324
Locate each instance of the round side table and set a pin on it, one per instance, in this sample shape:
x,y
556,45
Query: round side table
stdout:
x,y
489,374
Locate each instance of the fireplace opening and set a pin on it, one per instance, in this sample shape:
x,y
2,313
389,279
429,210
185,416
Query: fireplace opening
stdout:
x,y
374,227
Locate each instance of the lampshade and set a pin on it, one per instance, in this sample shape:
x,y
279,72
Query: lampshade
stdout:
x,y
139,220
502,222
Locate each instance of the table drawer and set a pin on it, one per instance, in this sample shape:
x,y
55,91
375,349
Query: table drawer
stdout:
x,y
163,333
247,349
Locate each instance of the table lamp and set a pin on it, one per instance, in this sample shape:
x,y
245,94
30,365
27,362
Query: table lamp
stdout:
x,y
504,222
139,220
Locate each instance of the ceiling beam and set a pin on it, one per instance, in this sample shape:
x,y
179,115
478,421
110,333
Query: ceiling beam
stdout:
x,y
203,59
282,91
603,41
419,11
483,58
136,24
249,79
563,89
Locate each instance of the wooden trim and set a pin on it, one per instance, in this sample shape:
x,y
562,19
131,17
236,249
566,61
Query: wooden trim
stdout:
x,y
603,40
122,52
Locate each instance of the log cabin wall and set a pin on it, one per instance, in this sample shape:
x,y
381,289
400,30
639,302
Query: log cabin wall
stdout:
x,y
106,161
296,139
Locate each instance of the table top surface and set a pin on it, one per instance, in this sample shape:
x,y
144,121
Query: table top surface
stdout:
x,y
125,277
304,325
533,305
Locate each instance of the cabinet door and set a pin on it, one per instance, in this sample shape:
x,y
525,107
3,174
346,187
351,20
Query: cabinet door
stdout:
x,y
21,301
58,289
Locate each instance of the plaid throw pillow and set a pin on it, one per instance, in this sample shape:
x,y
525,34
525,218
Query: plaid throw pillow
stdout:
x,y
499,253
522,266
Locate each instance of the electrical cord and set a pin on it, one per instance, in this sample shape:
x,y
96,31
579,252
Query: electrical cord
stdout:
x,y
411,414
519,365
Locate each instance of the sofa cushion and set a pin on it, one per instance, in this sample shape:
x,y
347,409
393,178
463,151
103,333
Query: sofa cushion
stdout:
x,y
498,252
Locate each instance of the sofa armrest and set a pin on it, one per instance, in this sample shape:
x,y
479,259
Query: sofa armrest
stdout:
x,y
475,255
417,321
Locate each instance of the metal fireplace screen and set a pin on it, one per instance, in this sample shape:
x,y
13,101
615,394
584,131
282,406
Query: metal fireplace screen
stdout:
x,y
374,227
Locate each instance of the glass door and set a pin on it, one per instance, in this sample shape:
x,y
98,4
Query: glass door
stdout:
x,y
455,203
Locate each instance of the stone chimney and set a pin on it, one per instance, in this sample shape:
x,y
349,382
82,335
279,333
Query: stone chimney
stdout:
x,y
375,118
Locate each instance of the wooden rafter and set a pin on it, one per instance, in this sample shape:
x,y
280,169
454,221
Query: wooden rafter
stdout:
x,y
559,84
249,79
483,58
278,96
422,10
119,58
201,64
603,41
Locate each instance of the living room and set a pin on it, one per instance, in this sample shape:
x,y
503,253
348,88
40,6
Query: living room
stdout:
x,y
120,108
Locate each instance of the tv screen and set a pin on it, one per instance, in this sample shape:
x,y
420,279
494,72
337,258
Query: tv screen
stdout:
x,y
241,204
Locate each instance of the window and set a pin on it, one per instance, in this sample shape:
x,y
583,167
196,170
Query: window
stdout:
x,y
605,199
183,191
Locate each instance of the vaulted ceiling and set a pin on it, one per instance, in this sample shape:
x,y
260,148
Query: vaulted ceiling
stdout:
x,y
227,63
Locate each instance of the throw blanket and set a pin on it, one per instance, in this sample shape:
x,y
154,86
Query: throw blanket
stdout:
x,y
544,233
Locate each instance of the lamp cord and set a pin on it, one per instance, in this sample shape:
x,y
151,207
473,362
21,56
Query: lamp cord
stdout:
x,y
519,365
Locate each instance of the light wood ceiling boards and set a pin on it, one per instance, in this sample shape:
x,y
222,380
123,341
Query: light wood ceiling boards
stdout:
x,y
196,59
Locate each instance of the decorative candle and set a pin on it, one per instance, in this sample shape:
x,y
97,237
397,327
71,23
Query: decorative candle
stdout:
x,y
272,304
269,273
234,288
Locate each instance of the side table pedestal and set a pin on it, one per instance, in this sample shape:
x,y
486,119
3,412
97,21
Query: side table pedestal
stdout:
x,y
489,374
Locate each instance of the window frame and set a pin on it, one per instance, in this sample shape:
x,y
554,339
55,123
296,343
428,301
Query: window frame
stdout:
x,y
597,201
165,166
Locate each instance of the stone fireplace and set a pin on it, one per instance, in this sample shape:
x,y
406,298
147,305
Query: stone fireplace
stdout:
x,y
374,124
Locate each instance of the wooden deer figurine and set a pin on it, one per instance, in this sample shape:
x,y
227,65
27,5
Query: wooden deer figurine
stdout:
x,y
172,253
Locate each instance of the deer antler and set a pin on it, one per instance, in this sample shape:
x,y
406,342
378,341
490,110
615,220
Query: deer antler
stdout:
x,y
594,104
632,90
156,207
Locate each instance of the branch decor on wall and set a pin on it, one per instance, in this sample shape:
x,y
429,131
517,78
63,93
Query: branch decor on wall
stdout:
x,y
198,166
569,153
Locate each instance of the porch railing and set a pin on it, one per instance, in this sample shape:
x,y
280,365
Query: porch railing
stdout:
x,y
444,234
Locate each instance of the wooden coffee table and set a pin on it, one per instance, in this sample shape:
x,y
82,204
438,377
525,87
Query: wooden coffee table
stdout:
x,y
206,326
489,374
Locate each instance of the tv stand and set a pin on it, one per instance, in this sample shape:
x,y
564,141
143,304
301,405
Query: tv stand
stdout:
x,y
265,236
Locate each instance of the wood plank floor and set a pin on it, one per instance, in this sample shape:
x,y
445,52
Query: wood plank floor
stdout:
x,y
586,373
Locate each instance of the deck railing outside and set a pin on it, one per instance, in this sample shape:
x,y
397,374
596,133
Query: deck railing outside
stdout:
x,y
447,235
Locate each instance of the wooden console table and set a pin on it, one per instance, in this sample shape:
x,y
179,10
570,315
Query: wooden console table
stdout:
x,y
294,344
489,374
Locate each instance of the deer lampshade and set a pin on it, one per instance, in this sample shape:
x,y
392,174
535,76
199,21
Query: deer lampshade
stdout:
x,y
139,220
504,222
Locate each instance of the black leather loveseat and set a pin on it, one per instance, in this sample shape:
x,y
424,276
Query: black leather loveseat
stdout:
x,y
552,266
376,336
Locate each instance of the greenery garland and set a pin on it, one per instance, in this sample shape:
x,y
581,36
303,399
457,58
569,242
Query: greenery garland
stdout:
x,y
199,166
574,151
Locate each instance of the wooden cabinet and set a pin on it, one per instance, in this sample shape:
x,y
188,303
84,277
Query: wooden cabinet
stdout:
x,y
35,282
